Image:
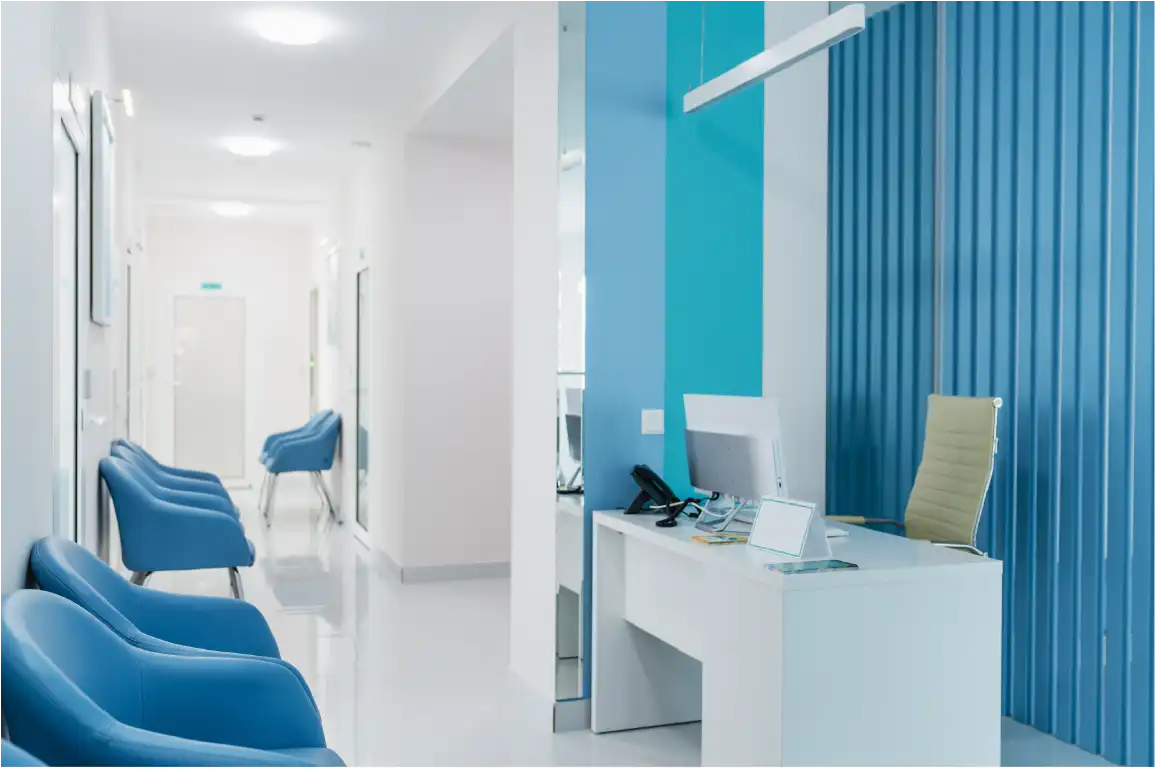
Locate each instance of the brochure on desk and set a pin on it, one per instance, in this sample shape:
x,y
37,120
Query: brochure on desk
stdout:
x,y
789,527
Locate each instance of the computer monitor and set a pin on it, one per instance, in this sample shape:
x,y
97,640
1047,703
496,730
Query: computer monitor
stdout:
x,y
734,446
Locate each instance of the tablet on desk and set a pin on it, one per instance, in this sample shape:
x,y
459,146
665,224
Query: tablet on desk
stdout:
x,y
811,567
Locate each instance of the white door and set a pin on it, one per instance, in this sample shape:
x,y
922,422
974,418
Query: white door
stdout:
x,y
209,387
65,214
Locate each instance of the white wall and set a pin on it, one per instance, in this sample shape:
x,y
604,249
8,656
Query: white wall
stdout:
x,y
27,282
794,249
533,555
269,264
572,270
457,292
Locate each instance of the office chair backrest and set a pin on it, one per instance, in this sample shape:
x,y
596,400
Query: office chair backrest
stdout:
x,y
958,458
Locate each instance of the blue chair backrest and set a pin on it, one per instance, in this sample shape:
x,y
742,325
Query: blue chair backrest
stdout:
x,y
65,568
63,672
11,755
131,501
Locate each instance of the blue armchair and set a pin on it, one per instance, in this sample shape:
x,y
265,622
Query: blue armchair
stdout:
x,y
169,477
272,441
160,535
10,755
193,497
152,619
66,699
311,450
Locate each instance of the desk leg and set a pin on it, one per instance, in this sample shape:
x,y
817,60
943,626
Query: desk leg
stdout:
x,y
638,680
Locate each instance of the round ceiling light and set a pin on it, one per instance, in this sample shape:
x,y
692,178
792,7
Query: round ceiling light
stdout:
x,y
250,146
290,27
232,209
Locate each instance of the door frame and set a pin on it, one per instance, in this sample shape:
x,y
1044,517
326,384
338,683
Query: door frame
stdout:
x,y
360,531
65,116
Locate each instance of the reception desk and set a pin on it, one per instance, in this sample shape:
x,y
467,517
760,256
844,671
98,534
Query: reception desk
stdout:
x,y
895,663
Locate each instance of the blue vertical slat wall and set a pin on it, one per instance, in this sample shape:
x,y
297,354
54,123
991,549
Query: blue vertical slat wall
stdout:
x,y
881,192
1047,259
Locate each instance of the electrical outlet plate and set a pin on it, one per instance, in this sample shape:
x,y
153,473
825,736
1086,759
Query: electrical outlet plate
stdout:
x,y
653,422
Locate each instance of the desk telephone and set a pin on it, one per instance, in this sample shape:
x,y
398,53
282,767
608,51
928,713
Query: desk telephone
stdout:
x,y
657,493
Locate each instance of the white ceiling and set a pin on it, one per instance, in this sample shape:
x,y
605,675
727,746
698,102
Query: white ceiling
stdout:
x,y
198,73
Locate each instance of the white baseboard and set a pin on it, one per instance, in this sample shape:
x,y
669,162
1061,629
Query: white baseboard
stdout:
x,y
414,574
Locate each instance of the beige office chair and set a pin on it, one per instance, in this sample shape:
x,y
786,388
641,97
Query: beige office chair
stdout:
x,y
958,457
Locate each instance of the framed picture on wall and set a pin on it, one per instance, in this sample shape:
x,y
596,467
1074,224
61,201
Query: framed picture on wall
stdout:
x,y
104,260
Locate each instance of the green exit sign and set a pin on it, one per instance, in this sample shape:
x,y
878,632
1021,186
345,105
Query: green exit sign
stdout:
x,y
211,286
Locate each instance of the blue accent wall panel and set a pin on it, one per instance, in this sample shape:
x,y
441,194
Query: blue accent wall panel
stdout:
x,y
1048,267
714,194
625,244
881,260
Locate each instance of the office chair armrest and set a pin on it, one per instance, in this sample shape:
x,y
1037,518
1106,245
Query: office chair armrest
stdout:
x,y
205,622
246,701
125,745
956,546
862,520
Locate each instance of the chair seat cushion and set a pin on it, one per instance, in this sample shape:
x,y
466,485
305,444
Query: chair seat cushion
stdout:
x,y
313,756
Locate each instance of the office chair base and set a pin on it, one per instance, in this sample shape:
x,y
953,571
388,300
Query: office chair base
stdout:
x,y
235,586
138,577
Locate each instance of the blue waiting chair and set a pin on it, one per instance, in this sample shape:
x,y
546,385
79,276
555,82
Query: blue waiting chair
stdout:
x,y
161,535
156,486
152,619
170,477
311,450
10,755
67,699
272,441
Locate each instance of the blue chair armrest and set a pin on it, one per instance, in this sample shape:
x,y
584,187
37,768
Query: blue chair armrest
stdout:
x,y
200,499
197,485
170,537
245,701
205,622
124,745
200,475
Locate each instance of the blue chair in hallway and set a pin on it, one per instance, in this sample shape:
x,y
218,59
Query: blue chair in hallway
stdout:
x,y
151,619
156,485
10,755
312,451
159,535
170,477
272,441
66,699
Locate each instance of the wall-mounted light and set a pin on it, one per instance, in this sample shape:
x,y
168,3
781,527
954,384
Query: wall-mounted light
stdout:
x,y
250,146
126,101
817,37
232,209
289,27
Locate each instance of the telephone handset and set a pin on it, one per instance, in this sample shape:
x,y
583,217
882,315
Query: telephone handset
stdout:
x,y
656,492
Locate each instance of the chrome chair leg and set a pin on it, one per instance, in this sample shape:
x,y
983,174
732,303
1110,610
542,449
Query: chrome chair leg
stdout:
x,y
269,496
138,577
235,585
261,495
323,491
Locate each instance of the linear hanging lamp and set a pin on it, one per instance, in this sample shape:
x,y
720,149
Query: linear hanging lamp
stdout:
x,y
817,37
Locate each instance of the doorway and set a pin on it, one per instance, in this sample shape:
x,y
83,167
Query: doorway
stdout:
x,y
364,365
209,384
66,143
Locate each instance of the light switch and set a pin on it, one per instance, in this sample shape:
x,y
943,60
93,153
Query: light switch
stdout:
x,y
653,422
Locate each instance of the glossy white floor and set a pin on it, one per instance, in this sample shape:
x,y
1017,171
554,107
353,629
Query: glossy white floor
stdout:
x,y
418,674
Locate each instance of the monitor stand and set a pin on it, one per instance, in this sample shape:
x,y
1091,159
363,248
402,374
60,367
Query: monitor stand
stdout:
x,y
716,523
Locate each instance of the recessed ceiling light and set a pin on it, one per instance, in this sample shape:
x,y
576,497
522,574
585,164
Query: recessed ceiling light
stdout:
x,y
290,27
232,208
250,146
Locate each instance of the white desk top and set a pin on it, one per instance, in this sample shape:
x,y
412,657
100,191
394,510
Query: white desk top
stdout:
x,y
880,557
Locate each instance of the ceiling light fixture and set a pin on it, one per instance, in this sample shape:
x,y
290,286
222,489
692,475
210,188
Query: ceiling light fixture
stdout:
x,y
290,27
819,36
126,100
232,208
250,146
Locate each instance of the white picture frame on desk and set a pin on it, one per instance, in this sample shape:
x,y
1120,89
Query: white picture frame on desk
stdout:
x,y
789,527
